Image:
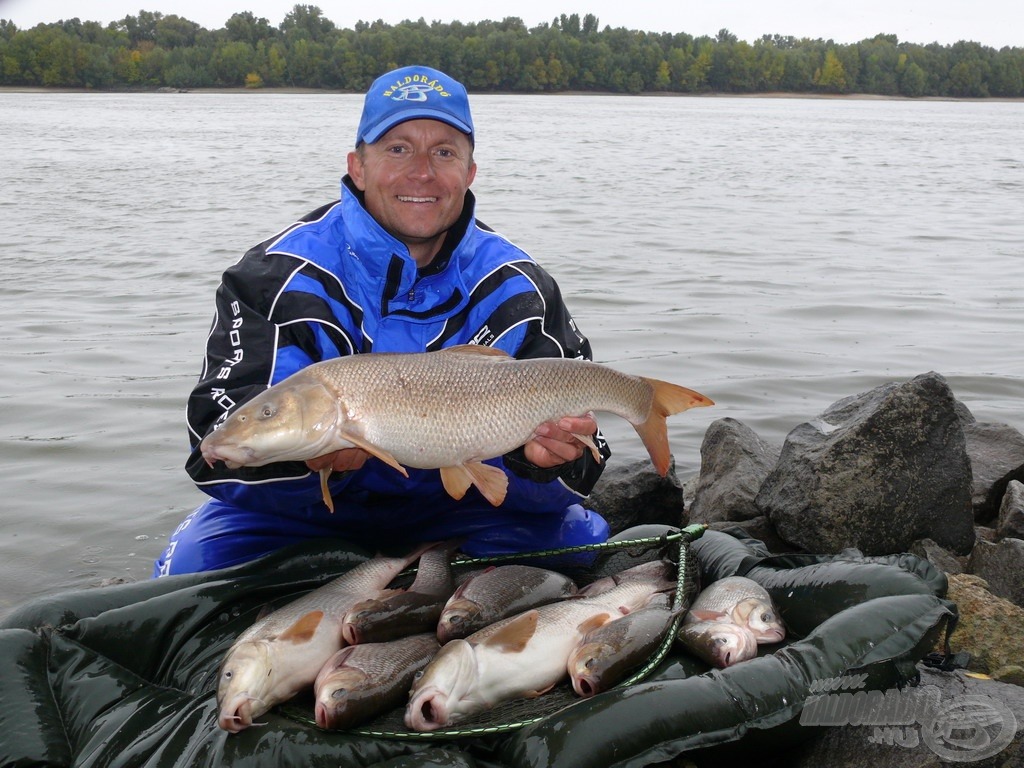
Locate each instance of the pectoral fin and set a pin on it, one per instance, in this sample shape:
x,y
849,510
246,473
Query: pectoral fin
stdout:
x,y
513,637
324,474
303,630
373,450
489,480
594,622
588,440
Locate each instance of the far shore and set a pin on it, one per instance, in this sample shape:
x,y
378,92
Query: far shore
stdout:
x,y
657,94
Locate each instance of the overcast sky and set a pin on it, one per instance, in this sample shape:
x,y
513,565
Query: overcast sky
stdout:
x,y
996,23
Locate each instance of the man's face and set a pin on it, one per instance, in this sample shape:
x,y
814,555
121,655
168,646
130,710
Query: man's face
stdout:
x,y
414,179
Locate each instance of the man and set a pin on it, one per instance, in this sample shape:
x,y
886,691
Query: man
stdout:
x,y
398,264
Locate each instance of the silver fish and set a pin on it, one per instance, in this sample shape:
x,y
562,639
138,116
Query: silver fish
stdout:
x,y
360,682
607,654
499,592
447,410
718,643
405,612
521,656
282,653
743,601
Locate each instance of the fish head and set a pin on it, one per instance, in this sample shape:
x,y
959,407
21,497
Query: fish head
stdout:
x,y
446,691
295,420
359,617
460,618
587,665
723,643
245,678
759,617
339,690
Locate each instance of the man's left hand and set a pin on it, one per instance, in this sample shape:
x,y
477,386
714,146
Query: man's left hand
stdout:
x,y
553,442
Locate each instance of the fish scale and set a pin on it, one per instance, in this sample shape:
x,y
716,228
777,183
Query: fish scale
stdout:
x,y
439,410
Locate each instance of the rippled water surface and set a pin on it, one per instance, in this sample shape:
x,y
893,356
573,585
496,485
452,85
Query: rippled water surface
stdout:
x,y
775,254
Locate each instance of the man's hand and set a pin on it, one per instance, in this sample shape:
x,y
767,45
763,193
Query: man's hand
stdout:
x,y
340,461
553,442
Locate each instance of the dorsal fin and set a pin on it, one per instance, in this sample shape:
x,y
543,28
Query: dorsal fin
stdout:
x,y
513,637
477,349
303,629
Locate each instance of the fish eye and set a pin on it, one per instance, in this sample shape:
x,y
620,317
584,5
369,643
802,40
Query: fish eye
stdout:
x,y
766,617
418,675
267,412
339,693
227,674
721,640
456,619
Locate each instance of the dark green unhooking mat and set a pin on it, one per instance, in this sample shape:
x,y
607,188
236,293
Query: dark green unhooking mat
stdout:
x,y
126,675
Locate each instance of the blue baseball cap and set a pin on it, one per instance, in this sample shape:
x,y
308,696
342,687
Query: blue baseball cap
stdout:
x,y
410,93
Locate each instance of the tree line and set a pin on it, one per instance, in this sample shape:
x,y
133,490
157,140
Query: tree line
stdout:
x,y
571,53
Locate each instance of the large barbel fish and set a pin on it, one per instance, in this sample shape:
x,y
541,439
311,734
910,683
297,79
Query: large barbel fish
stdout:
x,y
281,653
448,410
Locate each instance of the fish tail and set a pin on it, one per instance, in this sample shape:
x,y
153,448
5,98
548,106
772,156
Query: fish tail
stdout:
x,y
668,399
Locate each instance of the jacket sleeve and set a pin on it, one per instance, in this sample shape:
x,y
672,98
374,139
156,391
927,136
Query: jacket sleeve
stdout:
x,y
556,335
246,352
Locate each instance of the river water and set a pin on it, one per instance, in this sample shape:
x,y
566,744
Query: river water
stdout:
x,y
774,254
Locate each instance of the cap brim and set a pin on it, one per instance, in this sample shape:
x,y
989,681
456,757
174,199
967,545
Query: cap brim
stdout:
x,y
373,134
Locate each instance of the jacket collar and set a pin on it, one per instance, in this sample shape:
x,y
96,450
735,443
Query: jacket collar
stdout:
x,y
428,293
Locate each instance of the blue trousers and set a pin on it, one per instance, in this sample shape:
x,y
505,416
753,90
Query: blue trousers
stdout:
x,y
219,534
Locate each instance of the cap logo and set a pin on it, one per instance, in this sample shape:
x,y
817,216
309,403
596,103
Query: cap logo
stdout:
x,y
414,88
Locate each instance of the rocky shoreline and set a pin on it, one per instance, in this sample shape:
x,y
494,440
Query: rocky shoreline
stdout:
x,y
904,467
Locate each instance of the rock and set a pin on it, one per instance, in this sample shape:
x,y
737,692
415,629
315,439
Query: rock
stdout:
x,y
1011,512
939,557
630,494
996,452
877,472
1002,566
990,627
734,462
947,702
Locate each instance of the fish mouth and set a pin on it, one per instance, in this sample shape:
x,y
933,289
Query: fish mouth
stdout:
x,y
428,712
237,714
584,686
768,636
234,456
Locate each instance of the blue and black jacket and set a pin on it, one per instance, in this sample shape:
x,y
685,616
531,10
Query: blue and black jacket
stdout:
x,y
336,283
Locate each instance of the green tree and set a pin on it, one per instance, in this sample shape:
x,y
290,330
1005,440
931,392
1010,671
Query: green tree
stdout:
x,y
832,76
913,81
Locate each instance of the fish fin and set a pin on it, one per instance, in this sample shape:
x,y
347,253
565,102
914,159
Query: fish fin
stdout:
x,y
669,399
303,630
373,450
594,622
477,349
513,637
456,481
588,440
540,692
324,474
489,480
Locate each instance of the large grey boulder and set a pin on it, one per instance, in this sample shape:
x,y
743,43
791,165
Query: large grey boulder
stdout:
x,y
996,452
734,462
1011,512
877,471
1001,564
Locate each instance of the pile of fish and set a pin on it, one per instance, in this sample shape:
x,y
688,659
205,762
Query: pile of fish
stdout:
x,y
447,648
728,620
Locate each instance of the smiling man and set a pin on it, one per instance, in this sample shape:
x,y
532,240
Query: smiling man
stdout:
x,y
398,264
